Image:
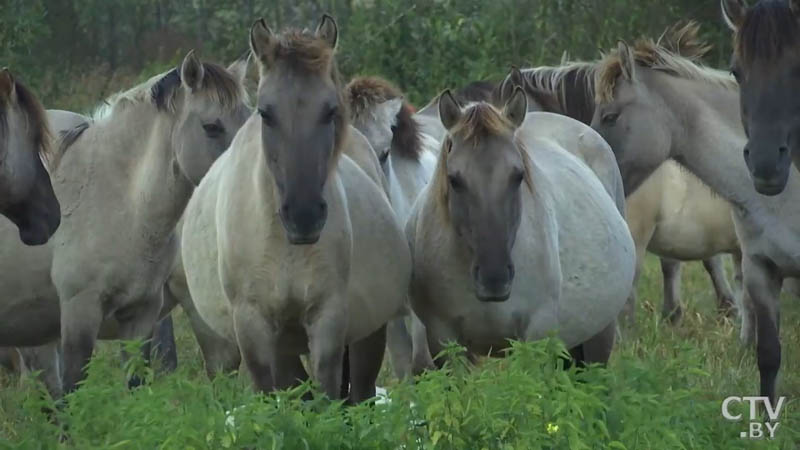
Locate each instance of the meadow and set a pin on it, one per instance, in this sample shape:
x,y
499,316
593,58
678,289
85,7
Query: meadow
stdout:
x,y
663,388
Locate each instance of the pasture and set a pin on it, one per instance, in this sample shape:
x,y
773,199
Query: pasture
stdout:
x,y
663,389
314,226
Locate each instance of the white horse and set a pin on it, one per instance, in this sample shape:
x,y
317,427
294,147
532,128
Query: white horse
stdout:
x,y
516,238
122,183
309,257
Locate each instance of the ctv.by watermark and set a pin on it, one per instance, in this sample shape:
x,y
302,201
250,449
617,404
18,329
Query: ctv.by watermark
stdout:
x,y
756,429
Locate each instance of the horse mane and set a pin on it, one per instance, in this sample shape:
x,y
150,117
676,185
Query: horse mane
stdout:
x,y
478,121
570,85
476,91
68,137
769,29
162,90
364,93
676,52
36,119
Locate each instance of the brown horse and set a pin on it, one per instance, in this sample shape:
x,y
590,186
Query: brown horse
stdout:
x,y
765,63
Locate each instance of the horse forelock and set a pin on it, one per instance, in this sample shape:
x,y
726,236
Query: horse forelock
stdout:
x,y
366,93
769,29
478,121
36,121
677,52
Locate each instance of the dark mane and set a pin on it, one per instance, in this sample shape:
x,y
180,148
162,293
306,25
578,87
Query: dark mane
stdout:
x,y
217,82
769,29
476,91
365,93
68,137
570,87
35,116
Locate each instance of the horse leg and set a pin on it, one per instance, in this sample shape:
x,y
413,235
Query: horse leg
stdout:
x,y
219,354
138,322
10,359
671,272
165,352
258,341
763,284
46,359
326,342
438,334
716,270
747,313
421,359
736,257
81,317
400,347
598,348
366,358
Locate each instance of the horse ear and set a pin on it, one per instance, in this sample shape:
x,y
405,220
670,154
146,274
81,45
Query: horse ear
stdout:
x,y
626,60
328,31
239,67
192,72
506,87
392,106
262,42
449,110
7,89
733,12
517,107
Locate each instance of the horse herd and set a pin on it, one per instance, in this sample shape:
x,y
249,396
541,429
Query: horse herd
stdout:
x,y
333,220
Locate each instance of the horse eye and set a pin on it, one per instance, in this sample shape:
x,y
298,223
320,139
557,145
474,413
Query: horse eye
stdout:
x,y
610,118
331,114
383,157
214,130
455,182
516,178
267,117
735,73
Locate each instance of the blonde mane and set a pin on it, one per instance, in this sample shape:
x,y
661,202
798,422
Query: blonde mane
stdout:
x,y
677,52
478,121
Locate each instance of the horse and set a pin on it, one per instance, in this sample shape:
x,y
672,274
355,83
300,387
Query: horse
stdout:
x,y
764,61
26,193
310,256
123,182
502,205
408,158
647,96
672,214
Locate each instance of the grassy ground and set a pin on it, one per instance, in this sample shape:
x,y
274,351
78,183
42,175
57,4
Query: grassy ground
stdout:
x,y
662,389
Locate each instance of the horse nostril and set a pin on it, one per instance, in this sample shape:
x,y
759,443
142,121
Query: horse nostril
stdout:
x,y
510,271
285,209
783,151
746,152
475,272
323,207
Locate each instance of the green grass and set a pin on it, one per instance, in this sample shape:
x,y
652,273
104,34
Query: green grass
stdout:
x,y
662,389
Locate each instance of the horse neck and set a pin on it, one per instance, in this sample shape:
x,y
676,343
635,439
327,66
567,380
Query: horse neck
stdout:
x,y
158,191
707,136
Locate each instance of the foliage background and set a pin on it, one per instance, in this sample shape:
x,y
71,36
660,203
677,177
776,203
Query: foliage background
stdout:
x,y
74,53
